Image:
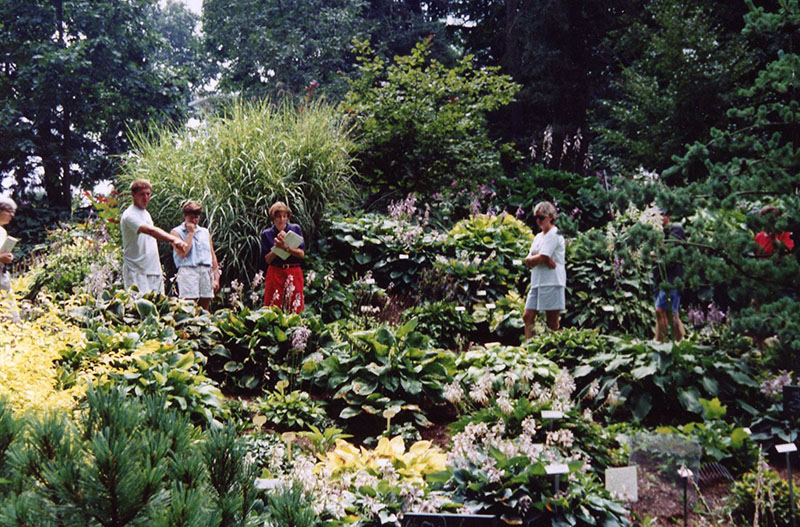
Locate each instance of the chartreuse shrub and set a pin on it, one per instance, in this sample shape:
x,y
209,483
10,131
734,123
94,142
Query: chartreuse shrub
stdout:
x,y
237,164
485,252
379,369
29,355
124,461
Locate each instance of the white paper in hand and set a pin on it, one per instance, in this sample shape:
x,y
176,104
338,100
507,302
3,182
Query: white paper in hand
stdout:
x,y
7,245
293,241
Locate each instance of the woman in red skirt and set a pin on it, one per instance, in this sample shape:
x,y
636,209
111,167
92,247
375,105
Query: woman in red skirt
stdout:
x,y
283,255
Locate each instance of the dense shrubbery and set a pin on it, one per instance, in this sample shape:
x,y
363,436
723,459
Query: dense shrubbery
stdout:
x,y
420,124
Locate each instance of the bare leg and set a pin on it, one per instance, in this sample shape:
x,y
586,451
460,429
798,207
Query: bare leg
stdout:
x,y
553,320
662,325
529,318
205,303
678,332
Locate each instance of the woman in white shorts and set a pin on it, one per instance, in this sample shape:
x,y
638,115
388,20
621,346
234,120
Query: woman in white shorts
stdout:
x,y
198,269
546,259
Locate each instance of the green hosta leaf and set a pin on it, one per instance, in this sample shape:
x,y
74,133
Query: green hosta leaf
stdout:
x,y
220,350
643,406
349,412
280,335
363,388
411,386
643,371
249,382
690,399
406,328
711,386
186,360
145,308
233,366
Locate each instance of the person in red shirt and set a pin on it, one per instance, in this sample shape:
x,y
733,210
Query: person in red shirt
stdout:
x,y
766,240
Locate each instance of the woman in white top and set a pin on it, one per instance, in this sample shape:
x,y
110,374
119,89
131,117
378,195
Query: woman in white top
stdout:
x,y
546,259
7,304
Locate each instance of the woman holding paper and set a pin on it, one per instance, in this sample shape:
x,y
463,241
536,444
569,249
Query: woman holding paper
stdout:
x,y
283,250
7,304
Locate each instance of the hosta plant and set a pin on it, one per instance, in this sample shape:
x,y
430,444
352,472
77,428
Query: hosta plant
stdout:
x,y
375,487
158,369
382,369
258,348
634,374
293,410
508,478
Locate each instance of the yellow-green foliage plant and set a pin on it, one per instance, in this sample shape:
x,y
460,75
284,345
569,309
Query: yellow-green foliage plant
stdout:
x,y
237,164
29,352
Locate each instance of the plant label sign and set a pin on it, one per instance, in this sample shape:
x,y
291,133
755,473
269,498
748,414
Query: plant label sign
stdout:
x,y
556,468
448,520
481,292
623,482
490,306
516,263
786,447
461,308
791,403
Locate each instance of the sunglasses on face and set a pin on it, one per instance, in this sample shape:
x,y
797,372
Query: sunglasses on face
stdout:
x,y
539,217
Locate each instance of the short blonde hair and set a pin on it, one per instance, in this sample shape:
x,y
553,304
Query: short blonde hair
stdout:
x,y
545,208
279,205
8,204
140,184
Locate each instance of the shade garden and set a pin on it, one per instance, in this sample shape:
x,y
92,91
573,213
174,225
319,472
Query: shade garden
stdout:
x,y
404,387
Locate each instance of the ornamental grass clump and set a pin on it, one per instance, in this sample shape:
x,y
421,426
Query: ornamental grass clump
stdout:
x,y
237,164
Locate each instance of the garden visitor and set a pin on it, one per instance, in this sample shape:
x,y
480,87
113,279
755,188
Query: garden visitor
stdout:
x,y
668,302
547,261
140,263
283,250
198,269
766,239
8,309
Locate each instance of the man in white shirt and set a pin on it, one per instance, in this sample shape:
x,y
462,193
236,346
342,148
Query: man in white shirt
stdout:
x,y
140,263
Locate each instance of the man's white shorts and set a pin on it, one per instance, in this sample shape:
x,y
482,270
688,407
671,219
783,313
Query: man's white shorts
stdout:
x,y
145,282
195,282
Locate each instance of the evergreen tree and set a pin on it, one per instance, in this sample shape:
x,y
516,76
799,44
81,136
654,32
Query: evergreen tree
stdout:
x,y
676,70
754,160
